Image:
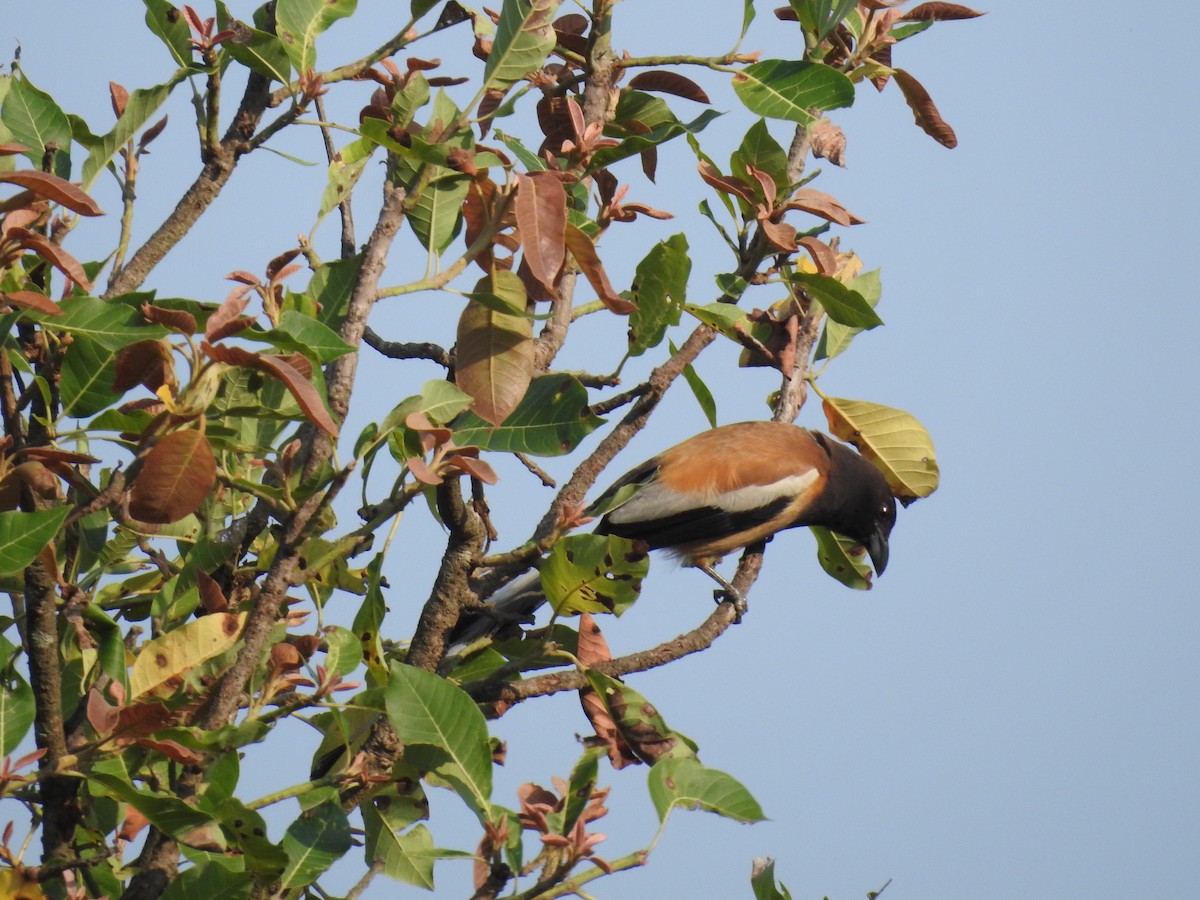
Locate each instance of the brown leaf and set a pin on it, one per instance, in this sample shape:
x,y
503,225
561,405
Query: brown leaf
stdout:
x,y
53,254
477,217
584,251
53,454
828,142
54,188
494,355
175,319
649,158
491,101
143,718
101,715
541,207
669,83
939,12
306,395
823,205
924,111
173,750
822,254
766,182
727,184
476,468
275,268
225,321
119,97
11,149
145,362
133,825
786,14
780,234
212,598
175,478
32,300
421,471
151,133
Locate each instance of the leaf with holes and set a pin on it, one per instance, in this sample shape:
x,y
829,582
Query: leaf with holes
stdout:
x,y
552,419
162,663
176,476
843,559
593,573
890,438
689,785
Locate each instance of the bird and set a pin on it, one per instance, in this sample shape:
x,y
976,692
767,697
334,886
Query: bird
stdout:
x,y
723,490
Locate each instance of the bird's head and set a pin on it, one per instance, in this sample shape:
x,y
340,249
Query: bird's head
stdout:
x,y
858,503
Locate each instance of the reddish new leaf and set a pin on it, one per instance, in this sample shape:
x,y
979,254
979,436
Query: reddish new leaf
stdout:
x,y
119,97
828,142
145,362
939,12
924,111
173,750
822,254
421,471
53,254
306,395
541,207
780,234
32,300
727,184
175,319
176,476
54,188
766,182
494,354
53,454
212,598
821,204
226,320
669,83
152,132
101,715
12,149
476,468
275,268
584,251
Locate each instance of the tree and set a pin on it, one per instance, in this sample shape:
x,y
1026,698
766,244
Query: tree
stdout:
x,y
171,479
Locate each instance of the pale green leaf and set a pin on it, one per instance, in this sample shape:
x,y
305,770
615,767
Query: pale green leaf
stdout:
x,y
792,90
24,534
890,438
689,785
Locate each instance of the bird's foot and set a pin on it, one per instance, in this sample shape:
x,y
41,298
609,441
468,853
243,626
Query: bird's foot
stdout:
x,y
727,593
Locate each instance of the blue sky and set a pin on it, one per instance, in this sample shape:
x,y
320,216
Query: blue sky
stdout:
x,y
1011,712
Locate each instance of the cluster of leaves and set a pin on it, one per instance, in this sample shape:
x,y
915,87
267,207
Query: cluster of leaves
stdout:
x,y
167,469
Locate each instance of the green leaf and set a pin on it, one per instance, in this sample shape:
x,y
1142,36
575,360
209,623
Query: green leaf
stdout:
x,y
836,338
552,419
660,290
406,857
844,305
494,354
435,217
763,883
111,323
708,403
635,144
792,90
88,371
843,559
761,150
17,708
722,316
299,333
168,814
344,173
213,880
24,534
142,104
524,38
593,573
259,51
343,651
313,843
640,724
686,783
426,709
249,830
298,22
890,438
165,20
36,121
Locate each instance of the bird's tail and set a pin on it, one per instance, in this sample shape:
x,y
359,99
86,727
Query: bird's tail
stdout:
x,y
513,604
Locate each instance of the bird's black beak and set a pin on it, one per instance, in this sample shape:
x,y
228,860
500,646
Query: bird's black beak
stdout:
x,y
877,549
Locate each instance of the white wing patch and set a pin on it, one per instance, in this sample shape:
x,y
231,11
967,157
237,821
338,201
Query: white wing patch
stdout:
x,y
655,501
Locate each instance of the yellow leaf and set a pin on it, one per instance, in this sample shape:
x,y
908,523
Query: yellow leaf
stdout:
x,y
162,663
890,438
